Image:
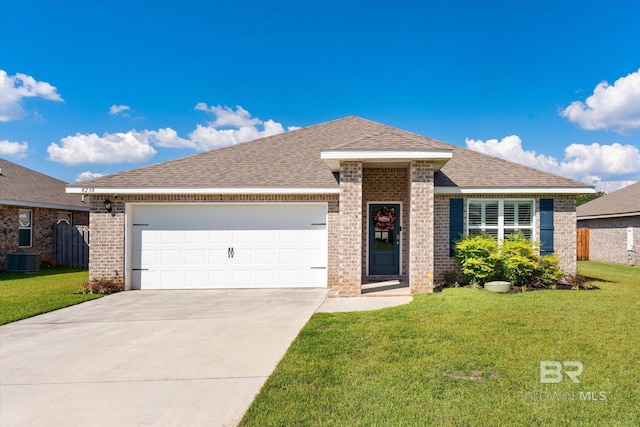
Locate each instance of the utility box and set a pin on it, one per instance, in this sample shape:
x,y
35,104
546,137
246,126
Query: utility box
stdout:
x,y
25,262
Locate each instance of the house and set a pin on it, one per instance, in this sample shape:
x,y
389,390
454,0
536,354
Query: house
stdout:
x,y
31,203
333,205
613,222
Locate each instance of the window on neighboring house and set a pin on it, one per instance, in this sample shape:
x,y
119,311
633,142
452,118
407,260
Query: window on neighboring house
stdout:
x,y
25,217
498,218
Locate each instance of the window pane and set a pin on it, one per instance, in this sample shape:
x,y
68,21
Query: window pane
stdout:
x,y
474,231
509,214
24,237
491,213
475,214
25,218
524,213
493,232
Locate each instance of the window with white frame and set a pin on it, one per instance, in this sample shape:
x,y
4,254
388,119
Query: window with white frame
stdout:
x,y
501,217
25,218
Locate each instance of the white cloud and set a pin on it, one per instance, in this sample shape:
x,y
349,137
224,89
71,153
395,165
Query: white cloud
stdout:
x,y
606,166
115,109
230,127
169,138
86,175
225,116
14,88
614,106
13,149
110,148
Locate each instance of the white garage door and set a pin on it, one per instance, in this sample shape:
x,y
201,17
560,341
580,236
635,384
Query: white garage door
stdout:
x,y
199,246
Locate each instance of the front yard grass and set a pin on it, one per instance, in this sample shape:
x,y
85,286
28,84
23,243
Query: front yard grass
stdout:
x,y
466,357
24,295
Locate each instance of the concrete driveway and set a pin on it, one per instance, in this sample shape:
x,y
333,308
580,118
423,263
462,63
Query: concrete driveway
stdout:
x,y
161,358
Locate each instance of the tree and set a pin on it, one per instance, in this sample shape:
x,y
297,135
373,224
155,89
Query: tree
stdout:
x,y
584,198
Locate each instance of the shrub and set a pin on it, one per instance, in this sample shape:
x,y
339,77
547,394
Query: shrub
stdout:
x,y
451,278
478,257
518,259
548,273
104,285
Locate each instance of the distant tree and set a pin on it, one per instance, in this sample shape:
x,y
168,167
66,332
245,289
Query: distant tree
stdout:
x,y
584,198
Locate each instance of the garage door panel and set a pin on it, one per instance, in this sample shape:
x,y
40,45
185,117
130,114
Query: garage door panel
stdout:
x,y
196,237
185,246
266,257
170,257
172,236
288,256
315,276
310,257
195,257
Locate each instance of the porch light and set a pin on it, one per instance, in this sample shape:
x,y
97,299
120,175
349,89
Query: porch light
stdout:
x,y
107,205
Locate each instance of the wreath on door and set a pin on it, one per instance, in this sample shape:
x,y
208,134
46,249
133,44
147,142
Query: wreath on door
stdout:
x,y
384,218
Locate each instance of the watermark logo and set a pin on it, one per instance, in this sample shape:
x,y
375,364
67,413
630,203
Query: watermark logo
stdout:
x,y
551,371
554,372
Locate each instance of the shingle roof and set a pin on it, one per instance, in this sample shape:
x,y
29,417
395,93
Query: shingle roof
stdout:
x,y
292,160
625,201
20,185
468,168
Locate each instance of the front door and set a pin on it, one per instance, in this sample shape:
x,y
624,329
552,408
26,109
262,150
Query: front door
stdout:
x,y
384,239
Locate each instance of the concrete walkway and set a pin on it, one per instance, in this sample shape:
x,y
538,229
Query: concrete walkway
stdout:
x,y
161,358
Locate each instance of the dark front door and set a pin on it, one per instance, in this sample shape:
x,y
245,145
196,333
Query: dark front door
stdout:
x,y
384,239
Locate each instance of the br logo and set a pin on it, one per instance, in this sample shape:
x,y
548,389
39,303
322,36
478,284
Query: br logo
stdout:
x,y
551,371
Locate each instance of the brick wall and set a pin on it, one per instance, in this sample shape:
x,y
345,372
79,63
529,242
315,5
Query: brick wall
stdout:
x,y
386,185
107,254
421,239
350,247
564,223
442,262
608,238
43,220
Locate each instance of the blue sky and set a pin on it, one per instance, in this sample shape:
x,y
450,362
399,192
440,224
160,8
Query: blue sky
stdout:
x,y
97,87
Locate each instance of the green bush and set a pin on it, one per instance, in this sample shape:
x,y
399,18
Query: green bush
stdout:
x,y
478,257
517,260
549,274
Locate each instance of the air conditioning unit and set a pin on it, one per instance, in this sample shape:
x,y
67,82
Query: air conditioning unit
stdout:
x,y
23,262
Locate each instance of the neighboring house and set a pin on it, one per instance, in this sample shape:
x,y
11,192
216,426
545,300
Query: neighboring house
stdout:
x,y
614,225
333,205
30,205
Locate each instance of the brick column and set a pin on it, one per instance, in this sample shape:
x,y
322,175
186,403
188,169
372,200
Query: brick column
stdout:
x,y
106,257
350,234
421,227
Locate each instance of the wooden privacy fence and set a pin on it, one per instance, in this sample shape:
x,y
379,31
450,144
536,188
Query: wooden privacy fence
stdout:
x,y
71,245
583,244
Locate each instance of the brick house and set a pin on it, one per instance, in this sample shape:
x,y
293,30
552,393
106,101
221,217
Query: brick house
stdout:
x,y
614,225
31,203
338,205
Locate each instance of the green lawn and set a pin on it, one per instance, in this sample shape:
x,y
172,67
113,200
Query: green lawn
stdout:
x,y
467,357
24,295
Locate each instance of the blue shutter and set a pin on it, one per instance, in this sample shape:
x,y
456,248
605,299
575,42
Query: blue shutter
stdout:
x,y
456,222
546,226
